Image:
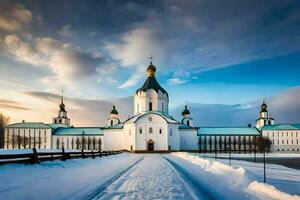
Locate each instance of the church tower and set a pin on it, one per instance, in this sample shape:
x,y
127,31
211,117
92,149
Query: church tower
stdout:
x,y
62,117
151,96
186,119
264,116
114,117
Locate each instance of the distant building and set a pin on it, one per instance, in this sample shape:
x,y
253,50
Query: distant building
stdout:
x,y
151,128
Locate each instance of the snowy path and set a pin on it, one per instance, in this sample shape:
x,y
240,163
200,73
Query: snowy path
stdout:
x,y
152,178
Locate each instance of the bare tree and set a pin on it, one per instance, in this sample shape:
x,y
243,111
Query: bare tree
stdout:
x,y
4,120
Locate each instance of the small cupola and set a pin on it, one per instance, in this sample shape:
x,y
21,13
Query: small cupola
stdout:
x,y
185,112
114,111
186,119
114,117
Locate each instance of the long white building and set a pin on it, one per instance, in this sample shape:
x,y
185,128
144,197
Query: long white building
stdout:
x,y
151,128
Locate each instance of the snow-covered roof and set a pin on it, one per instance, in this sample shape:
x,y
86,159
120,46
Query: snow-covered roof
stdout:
x,y
228,131
116,126
28,125
79,131
183,126
166,117
282,127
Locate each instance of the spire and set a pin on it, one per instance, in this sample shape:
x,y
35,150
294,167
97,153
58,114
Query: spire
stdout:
x,y
62,96
62,105
151,58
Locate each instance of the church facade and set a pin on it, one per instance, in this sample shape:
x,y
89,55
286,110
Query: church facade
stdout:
x,y
151,128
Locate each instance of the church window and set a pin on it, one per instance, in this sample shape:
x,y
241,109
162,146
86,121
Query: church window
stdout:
x,y
171,132
150,106
111,122
55,121
160,131
188,122
60,121
162,106
141,130
270,122
150,130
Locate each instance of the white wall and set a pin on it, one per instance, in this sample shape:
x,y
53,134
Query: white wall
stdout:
x,y
284,141
189,139
36,137
113,139
156,123
142,99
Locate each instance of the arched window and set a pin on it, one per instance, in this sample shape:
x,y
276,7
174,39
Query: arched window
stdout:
x,y
162,106
171,132
188,122
60,121
270,122
141,130
111,122
150,106
160,131
150,130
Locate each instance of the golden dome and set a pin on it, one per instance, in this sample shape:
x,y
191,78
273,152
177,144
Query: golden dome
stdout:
x,y
151,69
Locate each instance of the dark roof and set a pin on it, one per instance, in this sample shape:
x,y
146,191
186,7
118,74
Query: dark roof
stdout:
x,y
263,107
114,111
185,111
151,83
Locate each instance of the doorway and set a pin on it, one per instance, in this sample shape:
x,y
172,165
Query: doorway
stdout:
x,y
150,145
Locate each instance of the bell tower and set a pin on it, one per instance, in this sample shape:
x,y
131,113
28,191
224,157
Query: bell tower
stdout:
x,y
264,116
62,117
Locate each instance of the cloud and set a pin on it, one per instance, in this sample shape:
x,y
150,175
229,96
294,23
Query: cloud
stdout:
x,y
176,81
137,45
84,112
8,104
201,35
14,17
284,108
65,31
67,63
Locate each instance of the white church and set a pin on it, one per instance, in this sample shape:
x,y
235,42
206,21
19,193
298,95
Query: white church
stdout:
x,y
151,128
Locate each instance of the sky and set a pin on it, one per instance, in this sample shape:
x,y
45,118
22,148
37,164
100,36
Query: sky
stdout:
x,y
220,57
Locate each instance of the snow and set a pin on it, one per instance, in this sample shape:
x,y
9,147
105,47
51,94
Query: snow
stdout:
x,y
72,179
148,176
243,176
152,178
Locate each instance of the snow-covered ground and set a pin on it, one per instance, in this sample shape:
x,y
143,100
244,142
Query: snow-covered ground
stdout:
x,y
72,179
149,176
282,182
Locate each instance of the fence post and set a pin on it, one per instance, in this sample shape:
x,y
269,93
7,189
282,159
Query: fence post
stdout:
x,y
64,155
82,153
34,157
93,155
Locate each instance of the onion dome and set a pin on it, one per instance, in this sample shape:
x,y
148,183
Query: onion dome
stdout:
x,y
185,111
114,111
263,107
151,82
151,69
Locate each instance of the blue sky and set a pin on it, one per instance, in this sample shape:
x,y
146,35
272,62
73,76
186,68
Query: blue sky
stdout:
x,y
206,52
